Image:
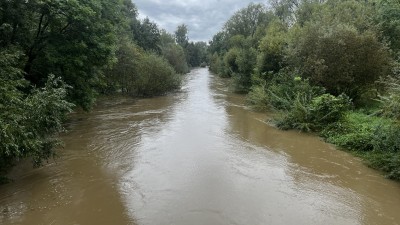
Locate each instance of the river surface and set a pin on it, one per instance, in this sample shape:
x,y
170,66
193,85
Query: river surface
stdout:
x,y
196,157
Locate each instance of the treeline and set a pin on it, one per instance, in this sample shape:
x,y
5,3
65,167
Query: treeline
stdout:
x,y
56,55
327,66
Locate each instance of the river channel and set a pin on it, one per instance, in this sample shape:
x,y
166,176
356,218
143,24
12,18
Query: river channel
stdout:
x,y
196,157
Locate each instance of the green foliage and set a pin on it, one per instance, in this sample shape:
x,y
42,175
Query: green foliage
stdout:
x,y
175,55
245,62
388,162
258,97
390,101
373,138
230,62
140,73
388,20
218,43
73,39
147,35
181,35
356,131
315,114
89,45
285,88
305,57
121,76
28,122
155,76
340,58
245,21
272,46
196,53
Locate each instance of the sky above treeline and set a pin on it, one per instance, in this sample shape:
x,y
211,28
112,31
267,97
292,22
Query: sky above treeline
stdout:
x,y
204,18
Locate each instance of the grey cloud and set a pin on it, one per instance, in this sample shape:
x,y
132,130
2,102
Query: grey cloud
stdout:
x,y
204,18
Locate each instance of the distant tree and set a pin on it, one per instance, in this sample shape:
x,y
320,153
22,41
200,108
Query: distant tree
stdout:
x,y
147,35
181,35
166,38
175,55
388,19
245,21
218,43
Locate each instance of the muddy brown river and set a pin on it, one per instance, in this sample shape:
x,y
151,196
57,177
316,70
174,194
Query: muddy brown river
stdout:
x,y
197,157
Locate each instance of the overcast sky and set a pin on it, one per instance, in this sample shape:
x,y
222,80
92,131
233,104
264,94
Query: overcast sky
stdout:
x,y
204,18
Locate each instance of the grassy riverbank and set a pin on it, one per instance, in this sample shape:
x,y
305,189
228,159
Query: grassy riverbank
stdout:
x,y
325,67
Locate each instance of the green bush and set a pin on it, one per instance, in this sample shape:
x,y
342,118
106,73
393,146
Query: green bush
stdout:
x,y
388,162
28,121
230,62
258,97
315,114
339,58
390,106
139,73
373,138
285,88
175,55
355,131
154,76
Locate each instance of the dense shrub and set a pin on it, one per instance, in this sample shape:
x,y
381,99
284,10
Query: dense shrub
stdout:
x,y
388,162
354,131
154,76
281,90
373,138
315,114
28,122
175,55
245,62
390,106
230,62
139,73
258,97
340,58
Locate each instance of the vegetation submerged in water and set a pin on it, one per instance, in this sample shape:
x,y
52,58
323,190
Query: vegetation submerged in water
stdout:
x,y
330,67
58,55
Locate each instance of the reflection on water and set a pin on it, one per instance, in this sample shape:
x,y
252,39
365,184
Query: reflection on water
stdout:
x,y
195,157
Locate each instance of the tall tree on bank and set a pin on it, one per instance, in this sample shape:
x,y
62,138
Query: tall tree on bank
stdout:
x,y
181,35
72,39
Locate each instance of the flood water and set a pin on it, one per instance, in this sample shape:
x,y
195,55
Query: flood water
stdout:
x,y
197,157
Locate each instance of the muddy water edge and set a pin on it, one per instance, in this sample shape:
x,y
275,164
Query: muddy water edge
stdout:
x,y
199,156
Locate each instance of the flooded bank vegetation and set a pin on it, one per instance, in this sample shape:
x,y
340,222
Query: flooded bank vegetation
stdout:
x,y
59,55
330,67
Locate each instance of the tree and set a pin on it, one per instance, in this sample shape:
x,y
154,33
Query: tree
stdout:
x,y
340,58
272,47
181,35
72,39
388,19
175,55
25,132
245,21
147,35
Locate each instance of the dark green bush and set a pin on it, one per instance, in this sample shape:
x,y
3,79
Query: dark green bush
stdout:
x,y
373,138
388,162
175,55
315,114
28,121
355,131
154,76
284,89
